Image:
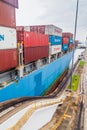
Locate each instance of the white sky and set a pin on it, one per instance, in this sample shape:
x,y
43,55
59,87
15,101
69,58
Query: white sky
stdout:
x,y
57,12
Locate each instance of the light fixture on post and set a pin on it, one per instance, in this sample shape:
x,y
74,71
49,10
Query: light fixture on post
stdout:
x,y
75,29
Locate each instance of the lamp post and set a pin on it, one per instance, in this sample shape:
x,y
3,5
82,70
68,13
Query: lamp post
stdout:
x,y
75,29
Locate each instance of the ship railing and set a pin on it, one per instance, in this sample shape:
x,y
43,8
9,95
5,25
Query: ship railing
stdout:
x,y
7,77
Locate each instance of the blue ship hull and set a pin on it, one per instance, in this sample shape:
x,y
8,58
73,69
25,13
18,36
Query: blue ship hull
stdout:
x,y
35,83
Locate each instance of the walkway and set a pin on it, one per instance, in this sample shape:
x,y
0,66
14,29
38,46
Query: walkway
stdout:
x,y
85,93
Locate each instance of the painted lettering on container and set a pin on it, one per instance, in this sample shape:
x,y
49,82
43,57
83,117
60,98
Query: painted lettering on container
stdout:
x,y
57,40
56,49
58,31
1,37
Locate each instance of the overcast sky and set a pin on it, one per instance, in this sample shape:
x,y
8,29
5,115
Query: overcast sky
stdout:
x,y
57,12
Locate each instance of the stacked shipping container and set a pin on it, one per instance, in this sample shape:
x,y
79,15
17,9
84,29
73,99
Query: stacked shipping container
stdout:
x,y
44,29
67,41
8,43
54,33
7,15
35,40
55,44
35,45
55,37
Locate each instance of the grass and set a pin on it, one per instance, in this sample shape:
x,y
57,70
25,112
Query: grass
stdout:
x,y
82,63
75,82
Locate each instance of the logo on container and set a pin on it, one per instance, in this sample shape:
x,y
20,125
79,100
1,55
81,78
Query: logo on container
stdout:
x,y
57,40
57,49
57,31
2,37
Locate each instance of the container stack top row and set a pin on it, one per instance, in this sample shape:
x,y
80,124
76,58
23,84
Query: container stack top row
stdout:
x,y
44,29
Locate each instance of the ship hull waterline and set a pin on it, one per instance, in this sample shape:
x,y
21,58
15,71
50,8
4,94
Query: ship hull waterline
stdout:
x,y
35,83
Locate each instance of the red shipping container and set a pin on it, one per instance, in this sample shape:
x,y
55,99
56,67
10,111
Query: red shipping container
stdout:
x,y
9,59
34,28
39,29
7,15
13,3
65,40
67,34
20,37
35,53
32,39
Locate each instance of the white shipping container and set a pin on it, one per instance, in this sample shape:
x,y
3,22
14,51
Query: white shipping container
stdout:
x,y
55,49
8,38
53,30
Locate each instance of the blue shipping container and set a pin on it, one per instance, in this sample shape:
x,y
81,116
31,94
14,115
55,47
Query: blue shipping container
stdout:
x,y
65,47
71,41
55,40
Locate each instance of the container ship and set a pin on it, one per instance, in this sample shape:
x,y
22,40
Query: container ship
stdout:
x,y
32,57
